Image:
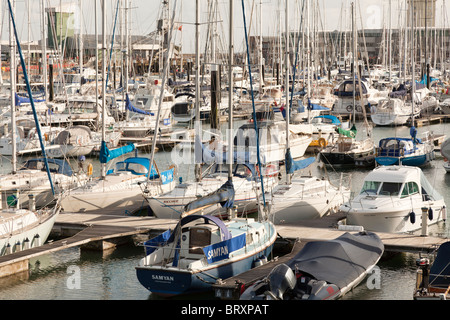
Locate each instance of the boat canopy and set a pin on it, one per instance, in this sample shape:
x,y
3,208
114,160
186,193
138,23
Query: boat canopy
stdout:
x,y
338,261
224,195
55,165
330,118
137,166
396,147
346,88
19,100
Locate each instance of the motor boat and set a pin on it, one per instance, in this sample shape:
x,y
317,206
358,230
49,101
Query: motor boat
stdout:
x,y
392,199
322,270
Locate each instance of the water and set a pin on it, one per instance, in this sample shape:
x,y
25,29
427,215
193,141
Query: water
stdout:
x,y
73,274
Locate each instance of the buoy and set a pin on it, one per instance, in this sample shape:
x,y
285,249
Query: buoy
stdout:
x,y
430,214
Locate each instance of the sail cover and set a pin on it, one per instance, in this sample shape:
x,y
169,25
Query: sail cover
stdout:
x,y
224,195
107,155
292,166
129,106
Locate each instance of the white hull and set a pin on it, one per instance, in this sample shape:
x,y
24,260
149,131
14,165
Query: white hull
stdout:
x,y
36,234
99,195
171,205
305,199
395,221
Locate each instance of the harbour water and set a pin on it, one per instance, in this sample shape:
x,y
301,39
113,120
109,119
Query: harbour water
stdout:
x,y
74,275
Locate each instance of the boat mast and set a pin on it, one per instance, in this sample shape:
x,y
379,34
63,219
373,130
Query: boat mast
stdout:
x,y
103,80
287,64
413,62
198,123
44,51
80,40
353,61
230,101
12,81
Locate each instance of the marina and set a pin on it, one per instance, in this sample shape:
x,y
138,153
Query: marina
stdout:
x,y
250,156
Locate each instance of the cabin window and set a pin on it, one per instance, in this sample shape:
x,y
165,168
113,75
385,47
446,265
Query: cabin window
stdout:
x,y
199,238
370,187
410,188
390,188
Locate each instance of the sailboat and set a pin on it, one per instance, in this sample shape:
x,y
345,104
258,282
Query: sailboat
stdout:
x,y
122,186
347,151
305,197
25,228
203,248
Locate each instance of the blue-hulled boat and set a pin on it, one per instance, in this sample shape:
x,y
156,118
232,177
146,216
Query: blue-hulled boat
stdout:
x,y
200,250
405,151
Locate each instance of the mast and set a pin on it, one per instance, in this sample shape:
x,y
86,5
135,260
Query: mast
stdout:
x,y
413,62
44,51
12,80
230,100
353,61
287,64
80,44
198,122
103,80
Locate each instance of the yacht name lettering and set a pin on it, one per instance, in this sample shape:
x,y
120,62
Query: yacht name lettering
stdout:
x,y
217,252
163,278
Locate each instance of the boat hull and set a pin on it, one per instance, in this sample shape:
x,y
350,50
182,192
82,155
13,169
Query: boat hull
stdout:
x,y
419,160
36,235
395,221
174,281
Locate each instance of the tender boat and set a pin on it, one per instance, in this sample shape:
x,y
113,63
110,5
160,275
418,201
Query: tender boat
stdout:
x,y
322,270
200,250
391,200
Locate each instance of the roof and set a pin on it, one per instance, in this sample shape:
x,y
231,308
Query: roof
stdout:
x,y
398,174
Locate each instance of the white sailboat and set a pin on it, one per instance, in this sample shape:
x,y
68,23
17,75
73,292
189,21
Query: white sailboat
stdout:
x,y
23,228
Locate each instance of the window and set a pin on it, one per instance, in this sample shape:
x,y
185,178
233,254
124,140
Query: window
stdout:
x,y
370,187
390,188
413,188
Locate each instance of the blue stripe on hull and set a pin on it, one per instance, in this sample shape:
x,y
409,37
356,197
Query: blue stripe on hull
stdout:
x,y
407,161
170,282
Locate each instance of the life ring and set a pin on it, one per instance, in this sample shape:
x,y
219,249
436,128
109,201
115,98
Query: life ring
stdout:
x,y
271,171
349,108
90,169
322,142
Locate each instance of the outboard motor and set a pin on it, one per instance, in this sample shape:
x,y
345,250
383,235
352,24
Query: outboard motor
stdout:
x,y
281,278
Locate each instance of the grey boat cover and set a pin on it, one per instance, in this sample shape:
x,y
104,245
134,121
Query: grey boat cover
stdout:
x,y
339,261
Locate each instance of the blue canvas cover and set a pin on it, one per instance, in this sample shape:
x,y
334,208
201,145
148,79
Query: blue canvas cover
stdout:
x,y
153,244
129,106
107,155
59,165
19,100
292,166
